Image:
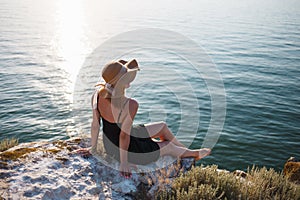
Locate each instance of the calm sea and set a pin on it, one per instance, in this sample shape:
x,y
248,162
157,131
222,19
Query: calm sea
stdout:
x,y
255,45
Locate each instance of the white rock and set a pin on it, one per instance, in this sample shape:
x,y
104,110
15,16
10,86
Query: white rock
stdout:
x,y
40,175
125,187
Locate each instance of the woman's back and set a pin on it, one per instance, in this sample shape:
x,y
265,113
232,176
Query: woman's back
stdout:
x,y
109,112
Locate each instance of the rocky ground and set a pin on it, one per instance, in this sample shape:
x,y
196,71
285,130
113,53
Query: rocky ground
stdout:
x,y
292,170
51,170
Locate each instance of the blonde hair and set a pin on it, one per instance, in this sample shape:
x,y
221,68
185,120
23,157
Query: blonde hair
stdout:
x,y
104,92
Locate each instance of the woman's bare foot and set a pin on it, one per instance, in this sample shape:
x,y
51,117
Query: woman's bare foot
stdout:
x,y
203,153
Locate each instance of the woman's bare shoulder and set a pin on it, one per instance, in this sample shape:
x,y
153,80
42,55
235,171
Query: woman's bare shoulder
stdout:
x,y
133,106
133,102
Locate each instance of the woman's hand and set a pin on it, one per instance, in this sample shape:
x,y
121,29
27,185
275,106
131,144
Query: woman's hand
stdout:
x,y
86,152
125,169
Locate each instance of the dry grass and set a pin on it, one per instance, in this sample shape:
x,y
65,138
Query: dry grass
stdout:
x,y
209,183
18,153
8,143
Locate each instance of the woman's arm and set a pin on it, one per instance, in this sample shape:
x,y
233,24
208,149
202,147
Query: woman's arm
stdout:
x,y
124,139
95,126
124,144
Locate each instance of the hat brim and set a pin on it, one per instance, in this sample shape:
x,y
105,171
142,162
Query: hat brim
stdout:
x,y
131,65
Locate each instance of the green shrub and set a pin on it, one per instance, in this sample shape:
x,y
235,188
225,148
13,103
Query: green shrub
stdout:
x,y
8,143
211,183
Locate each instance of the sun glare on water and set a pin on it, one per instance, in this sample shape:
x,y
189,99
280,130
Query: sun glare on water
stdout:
x,y
70,40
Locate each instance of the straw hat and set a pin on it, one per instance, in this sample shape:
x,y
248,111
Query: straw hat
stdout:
x,y
121,70
115,74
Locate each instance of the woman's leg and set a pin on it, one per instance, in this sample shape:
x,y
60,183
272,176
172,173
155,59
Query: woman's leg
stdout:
x,y
161,130
169,148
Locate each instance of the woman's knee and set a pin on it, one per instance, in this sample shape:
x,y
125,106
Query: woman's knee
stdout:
x,y
156,127
164,125
163,128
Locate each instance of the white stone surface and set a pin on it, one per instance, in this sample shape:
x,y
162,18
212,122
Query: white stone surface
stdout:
x,y
46,174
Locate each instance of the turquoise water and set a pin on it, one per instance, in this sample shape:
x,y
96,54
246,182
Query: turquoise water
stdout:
x,y
255,46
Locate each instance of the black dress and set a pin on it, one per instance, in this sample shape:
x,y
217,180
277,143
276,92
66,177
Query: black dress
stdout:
x,y
142,149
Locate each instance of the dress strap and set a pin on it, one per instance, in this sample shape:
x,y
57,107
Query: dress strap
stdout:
x,y
122,110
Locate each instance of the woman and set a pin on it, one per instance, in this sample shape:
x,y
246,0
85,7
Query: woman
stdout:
x,y
127,143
